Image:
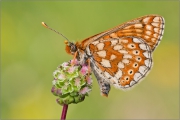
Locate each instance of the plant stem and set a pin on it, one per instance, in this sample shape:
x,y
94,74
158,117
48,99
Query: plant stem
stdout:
x,y
64,112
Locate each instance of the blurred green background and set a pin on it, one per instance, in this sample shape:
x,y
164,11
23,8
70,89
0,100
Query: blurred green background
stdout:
x,y
30,53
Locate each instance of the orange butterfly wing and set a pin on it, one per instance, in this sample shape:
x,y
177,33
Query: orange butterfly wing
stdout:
x,y
150,28
122,55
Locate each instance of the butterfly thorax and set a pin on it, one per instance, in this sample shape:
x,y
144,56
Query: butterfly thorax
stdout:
x,y
77,50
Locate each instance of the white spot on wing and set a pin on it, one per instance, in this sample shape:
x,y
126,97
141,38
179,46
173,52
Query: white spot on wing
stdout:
x,y
146,54
138,25
125,41
146,20
105,63
127,56
102,53
112,57
156,19
153,39
136,40
143,46
143,69
148,62
155,35
118,74
156,30
137,77
107,75
122,51
132,83
120,65
95,42
155,24
126,86
149,27
118,47
125,61
146,37
148,32
100,46
114,42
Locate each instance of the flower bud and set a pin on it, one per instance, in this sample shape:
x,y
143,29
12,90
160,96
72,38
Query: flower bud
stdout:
x,y
72,82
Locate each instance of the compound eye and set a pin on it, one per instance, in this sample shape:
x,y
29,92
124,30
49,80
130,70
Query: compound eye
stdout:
x,y
73,48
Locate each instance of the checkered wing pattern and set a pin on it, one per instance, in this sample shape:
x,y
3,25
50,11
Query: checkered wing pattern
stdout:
x,y
122,56
150,28
122,62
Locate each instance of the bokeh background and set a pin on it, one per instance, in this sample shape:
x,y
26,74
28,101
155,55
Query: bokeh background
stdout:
x,y
30,53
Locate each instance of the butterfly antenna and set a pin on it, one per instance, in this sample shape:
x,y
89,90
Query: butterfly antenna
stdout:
x,y
46,26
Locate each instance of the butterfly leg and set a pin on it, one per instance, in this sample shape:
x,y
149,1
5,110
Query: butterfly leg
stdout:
x,y
74,57
103,84
89,67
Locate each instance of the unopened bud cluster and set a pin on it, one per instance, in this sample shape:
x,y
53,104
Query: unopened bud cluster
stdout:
x,y
72,82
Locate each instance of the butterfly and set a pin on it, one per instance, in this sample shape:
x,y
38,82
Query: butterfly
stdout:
x,y
121,56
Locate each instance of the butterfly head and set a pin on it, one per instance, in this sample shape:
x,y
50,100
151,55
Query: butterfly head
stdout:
x,y
70,47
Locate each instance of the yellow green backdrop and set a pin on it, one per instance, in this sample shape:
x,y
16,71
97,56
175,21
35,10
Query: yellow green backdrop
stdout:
x,y
30,53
